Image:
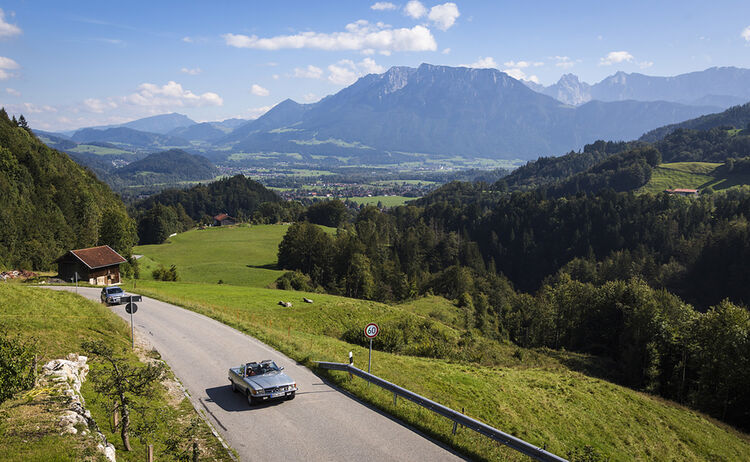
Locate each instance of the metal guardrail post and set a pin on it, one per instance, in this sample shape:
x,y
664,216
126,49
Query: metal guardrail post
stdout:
x,y
480,427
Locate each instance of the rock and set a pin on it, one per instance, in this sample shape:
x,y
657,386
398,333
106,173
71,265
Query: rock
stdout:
x,y
108,450
307,300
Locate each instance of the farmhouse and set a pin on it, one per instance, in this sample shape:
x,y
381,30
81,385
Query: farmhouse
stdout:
x,y
223,219
95,265
682,192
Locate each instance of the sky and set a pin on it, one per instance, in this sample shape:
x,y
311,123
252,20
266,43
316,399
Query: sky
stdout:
x,y
66,65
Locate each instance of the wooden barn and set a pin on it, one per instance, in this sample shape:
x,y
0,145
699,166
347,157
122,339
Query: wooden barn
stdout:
x,y
96,265
223,219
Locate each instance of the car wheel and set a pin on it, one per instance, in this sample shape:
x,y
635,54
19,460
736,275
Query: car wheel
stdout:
x,y
234,387
250,399
290,397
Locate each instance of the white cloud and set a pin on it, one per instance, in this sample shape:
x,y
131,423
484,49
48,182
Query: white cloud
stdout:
x,y
359,35
98,106
346,71
516,72
255,112
519,74
645,64
746,34
616,57
382,6
415,9
13,92
111,41
31,108
309,72
564,61
194,71
6,29
483,63
257,90
446,51
342,73
444,16
7,64
276,76
187,39
171,94
310,97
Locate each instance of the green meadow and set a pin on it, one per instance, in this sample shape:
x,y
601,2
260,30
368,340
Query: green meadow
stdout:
x,y
239,255
692,175
546,397
387,201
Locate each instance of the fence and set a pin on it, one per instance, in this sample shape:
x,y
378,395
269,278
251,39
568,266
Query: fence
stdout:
x,y
458,418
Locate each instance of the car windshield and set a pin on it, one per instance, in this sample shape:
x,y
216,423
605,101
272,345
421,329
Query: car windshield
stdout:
x,y
269,366
114,290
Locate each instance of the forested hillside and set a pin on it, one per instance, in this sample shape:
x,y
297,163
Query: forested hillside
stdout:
x,y
175,210
49,204
714,138
736,116
599,267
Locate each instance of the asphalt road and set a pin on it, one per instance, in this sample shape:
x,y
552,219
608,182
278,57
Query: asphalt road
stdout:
x,y
320,424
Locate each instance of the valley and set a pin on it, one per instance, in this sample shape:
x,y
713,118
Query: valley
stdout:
x,y
544,210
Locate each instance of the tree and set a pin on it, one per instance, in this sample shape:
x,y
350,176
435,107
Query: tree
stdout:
x,y
327,213
123,383
22,123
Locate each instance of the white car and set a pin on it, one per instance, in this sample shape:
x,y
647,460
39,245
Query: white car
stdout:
x,y
112,295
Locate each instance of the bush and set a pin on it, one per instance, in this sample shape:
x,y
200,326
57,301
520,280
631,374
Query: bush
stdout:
x,y
16,364
295,280
163,274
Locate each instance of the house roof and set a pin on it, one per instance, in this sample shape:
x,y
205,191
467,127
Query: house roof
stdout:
x,y
222,216
97,257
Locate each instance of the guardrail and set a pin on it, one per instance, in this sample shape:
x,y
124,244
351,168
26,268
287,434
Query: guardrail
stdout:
x,y
458,418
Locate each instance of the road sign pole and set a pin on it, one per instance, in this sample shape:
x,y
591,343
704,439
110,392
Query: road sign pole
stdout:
x,y
132,334
369,359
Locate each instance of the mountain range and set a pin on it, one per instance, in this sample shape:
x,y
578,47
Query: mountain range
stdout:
x,y
405,114
718,86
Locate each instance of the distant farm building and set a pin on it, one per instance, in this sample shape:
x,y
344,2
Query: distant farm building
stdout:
x,y
223,219
95,265
682,192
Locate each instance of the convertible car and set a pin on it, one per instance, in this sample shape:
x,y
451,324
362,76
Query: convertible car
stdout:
x,y
262,381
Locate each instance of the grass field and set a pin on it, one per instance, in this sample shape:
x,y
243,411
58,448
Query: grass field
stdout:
x,y
242,255
99,150
691,175
541,396
387,201
60,321
528,393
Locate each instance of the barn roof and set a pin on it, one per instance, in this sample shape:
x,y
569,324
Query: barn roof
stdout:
x,y
97,257
221,216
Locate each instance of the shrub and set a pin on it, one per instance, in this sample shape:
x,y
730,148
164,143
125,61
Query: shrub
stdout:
x,y
16,364
295,280
163,274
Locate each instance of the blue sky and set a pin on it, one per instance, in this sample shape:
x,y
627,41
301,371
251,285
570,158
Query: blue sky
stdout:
x,y
66,65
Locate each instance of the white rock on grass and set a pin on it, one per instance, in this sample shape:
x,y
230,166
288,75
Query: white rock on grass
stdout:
x,y
68,375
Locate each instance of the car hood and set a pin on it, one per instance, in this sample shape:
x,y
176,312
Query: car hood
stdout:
x,y
269,380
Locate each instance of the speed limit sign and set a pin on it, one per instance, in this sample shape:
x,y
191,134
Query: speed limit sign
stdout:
x,y
371,330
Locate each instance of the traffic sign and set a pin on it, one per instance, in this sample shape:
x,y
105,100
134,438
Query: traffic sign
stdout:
x,y
372,330
131,308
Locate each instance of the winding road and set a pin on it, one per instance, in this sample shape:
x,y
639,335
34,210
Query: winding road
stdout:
x,y
320,424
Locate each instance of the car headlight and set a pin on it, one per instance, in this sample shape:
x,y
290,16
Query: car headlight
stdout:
x,y
254,391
